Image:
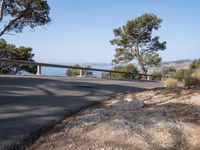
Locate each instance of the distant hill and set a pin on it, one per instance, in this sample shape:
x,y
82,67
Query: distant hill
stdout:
x,y
177,62
85,64
180,64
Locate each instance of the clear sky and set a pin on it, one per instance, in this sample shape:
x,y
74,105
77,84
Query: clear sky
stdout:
x,y
80,30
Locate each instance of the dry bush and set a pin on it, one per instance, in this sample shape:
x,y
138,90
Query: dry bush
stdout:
x,y
192,82
171,83
196,74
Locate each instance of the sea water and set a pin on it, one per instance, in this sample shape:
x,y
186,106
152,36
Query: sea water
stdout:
x,y
49,71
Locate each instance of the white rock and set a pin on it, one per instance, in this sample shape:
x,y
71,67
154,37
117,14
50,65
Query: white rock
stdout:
x,y
195,99
137,103
129,98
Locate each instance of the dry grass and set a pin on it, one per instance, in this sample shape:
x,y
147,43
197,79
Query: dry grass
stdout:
x,y
171,83
196,74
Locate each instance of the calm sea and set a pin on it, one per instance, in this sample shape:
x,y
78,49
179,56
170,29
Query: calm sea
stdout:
x,y
61,72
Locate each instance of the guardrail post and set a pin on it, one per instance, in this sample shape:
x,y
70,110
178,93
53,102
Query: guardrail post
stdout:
x,y
148,77
142,77
38,70
110,75
81,72
1,71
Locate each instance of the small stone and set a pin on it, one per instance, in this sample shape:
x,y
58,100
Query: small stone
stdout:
x,y
70,146
129,98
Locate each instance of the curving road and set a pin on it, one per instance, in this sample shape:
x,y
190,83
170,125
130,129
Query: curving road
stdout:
x,y
31,105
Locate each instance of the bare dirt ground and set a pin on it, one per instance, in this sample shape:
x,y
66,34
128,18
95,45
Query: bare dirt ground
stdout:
x,y
150,120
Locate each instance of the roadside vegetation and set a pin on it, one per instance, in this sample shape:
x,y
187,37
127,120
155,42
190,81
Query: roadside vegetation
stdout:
x,y
76,72
11,52
135,41
166,118
131,68
190,76
171,83
15,16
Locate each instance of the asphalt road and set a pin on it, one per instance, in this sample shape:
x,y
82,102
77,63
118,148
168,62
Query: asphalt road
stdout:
x,y
29,106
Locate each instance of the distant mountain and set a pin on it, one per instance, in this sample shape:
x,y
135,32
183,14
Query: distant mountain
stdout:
x,y
86,64
95,64
177,62
180,64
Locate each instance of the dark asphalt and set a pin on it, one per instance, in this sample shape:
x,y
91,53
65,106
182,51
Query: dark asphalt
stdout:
x,y
29,106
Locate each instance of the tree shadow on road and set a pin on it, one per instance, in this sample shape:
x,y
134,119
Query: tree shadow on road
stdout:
x,y
30,106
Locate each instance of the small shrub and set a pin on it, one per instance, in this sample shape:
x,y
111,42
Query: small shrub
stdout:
x,y
188,73
180,74
127,68
192,82
171,83
195,64
138,76
196,74
169,72
156,76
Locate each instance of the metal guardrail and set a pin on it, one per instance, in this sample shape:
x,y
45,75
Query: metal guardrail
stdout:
x,y
39,65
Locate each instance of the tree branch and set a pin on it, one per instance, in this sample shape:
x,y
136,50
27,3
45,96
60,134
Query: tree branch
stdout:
x,y
136,40
6,28
2,8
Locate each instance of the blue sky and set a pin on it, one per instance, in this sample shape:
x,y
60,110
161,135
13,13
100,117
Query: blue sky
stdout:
x,y
80,30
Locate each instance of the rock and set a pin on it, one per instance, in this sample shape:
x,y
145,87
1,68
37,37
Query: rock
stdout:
x,y
195,99
131,102
129,98
137,103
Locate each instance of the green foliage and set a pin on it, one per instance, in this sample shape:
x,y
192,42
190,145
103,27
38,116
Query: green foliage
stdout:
x,y
195,64
9,51
21,13
105,75
134,41
169,72
171,83
192,82
176,73
156,76
127,68
88,72
192,78
22,53
180,74
76,72
73,72
152,59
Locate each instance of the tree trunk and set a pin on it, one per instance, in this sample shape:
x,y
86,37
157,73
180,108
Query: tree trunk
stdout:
x,y
140,60
143,69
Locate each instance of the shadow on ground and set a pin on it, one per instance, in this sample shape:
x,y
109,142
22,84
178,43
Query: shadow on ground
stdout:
x,y
168,121
30,106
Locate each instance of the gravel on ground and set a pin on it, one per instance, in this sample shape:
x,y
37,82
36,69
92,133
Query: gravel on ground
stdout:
x,y
167,119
